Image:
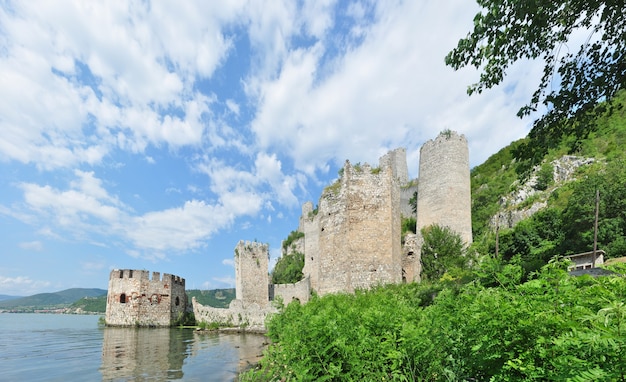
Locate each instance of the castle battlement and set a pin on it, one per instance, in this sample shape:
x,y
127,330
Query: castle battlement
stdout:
x,y
135,299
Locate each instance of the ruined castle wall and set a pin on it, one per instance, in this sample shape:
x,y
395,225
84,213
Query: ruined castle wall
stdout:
x,y
396,160
359,231
296,246
311,228
239,314
300,291
406,193
135,299
251,272
411,258
444,193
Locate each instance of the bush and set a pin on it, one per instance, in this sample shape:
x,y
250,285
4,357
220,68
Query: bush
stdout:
x,y
553,327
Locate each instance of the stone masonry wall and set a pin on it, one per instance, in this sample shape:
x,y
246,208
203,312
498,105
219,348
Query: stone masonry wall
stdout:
x,y
300,291
238,313
134,299
444,192
310,223
359,232
411,258
406,193
396,160
251,272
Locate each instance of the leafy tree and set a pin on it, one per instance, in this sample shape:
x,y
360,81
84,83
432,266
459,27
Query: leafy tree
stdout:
x,y
507,31
545,177
288,269
443,250
293,236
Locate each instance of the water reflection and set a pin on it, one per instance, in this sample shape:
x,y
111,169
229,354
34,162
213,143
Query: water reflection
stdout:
x,y
154,354
163,354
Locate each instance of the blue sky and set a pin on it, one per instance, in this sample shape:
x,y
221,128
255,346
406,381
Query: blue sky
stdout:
x,y
156,135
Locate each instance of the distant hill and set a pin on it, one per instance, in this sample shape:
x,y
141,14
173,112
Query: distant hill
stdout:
x,y
52,300
217,298
4,297
93,300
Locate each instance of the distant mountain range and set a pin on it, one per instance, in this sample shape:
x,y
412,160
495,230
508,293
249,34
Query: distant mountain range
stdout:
x,y
94,299
47,300
4,297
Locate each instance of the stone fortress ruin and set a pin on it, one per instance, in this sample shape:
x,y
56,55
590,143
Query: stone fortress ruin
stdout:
x,y
353,239
134,299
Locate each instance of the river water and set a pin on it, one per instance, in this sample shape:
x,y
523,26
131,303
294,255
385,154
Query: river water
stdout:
x,y
60,347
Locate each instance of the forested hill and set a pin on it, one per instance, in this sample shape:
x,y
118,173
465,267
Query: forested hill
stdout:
x,y
55,299
541,192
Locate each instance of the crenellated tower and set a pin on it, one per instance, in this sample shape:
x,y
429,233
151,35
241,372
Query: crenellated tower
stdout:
x,y
135,299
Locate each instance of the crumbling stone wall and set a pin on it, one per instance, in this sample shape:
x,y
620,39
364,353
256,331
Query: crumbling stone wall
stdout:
x,y
411,258
356,232
251,272
310,223
406,193
396,161
300,291
444,192
238,314
133,299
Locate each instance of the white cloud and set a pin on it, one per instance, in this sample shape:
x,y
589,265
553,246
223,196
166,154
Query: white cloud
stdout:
x,y
86,208
93,266
134,83
393,90
226,280
32,245
229,262
22,285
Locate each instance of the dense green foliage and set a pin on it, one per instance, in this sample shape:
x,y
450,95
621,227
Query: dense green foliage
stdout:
x,y
293,236
288,269
575,78
409,225
443,251
566,225
553,327
217,298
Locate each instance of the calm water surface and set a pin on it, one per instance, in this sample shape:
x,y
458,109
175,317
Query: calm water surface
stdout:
x,y
58,347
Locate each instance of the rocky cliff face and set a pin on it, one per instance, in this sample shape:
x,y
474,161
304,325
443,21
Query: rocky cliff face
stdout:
x,y
527,198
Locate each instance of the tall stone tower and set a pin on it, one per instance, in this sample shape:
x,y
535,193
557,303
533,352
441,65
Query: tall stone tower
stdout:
x,y
133,299
353,242
444,192
396,160
251,273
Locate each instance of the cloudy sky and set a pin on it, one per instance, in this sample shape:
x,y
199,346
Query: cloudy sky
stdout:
x,y
156,135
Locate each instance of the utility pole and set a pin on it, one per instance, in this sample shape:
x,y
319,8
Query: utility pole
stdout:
x,y
595,231
497,234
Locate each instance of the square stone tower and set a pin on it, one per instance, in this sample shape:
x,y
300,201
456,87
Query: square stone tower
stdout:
x,y
251,273
133,299
353,242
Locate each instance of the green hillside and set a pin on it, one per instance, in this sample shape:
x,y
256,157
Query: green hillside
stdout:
x,y
217,298
59,299
90,305
519,181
